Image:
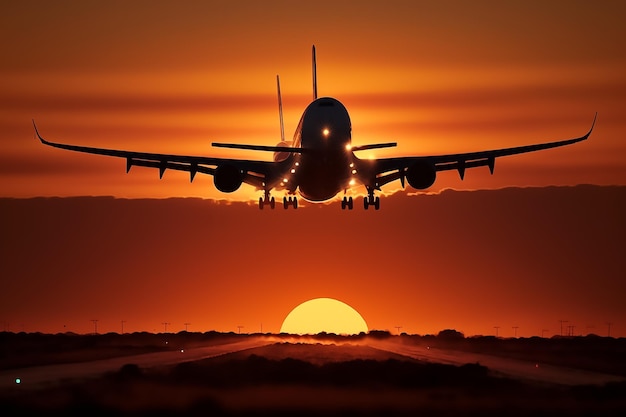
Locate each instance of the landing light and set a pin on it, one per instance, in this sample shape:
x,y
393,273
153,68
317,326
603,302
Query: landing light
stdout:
x,y
285,180
293,171
325,132
348,148
352,182
353,171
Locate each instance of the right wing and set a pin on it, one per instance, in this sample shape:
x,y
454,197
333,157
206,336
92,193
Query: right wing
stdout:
x,y
255,173
378,172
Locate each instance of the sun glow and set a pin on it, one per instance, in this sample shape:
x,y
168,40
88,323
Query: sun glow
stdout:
x,y
324,315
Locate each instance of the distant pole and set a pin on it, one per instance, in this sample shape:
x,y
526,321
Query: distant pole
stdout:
x,y
570,330
165,326
515,330
239,329
261,328
398,327
496,327
186,324
123,321
95,326
562,321
608,323
543,331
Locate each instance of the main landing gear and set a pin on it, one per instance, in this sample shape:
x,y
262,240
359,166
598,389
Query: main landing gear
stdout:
x,y
267,200
290,201
370,200
347,202
263,201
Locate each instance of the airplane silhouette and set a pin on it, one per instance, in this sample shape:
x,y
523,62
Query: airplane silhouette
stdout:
x,y
319,162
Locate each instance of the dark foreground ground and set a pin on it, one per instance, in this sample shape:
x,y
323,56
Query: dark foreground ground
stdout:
x,y
325,375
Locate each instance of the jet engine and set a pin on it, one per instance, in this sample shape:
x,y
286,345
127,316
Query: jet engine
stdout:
x,y
227,178
421,175
281,156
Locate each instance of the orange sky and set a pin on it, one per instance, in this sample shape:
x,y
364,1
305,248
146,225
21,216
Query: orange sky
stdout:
x,y
436,77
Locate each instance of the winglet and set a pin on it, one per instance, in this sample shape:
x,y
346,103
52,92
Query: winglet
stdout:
x,y
45,142
592,126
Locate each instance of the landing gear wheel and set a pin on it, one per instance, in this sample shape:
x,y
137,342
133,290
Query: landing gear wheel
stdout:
x,y
290,201
370,200
347,203
261,203
272,203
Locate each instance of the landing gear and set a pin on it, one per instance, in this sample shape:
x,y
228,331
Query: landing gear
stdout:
x,y
289,201
370,200
347,202
267,200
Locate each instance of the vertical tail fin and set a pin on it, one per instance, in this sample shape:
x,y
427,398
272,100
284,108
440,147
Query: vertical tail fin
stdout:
x,y
280,111
314,75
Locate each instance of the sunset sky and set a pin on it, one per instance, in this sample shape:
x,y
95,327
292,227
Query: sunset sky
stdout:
x,y
436,77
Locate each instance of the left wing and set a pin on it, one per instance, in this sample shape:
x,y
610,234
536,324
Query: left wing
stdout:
x,y
378,172
255,173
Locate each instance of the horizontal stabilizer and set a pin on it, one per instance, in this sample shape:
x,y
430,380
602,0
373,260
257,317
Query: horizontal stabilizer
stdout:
x,y
259,147
373,146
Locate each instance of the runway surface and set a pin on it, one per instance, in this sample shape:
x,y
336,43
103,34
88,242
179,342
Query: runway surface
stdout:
x,y
42,376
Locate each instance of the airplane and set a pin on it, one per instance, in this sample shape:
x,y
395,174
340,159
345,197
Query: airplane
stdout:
x,y
319,163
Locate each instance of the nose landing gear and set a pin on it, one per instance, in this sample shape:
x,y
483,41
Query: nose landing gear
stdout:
x,y
347,202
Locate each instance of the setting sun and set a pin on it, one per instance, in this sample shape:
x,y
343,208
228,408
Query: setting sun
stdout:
x,y
323,315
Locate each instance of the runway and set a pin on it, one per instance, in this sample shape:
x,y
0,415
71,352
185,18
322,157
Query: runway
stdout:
x,y
49,375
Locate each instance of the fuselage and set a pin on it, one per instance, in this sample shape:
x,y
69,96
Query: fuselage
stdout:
x,y
325,168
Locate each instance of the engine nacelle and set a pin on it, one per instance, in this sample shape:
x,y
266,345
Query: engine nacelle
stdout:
x,y
281,156
421,175
227,178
